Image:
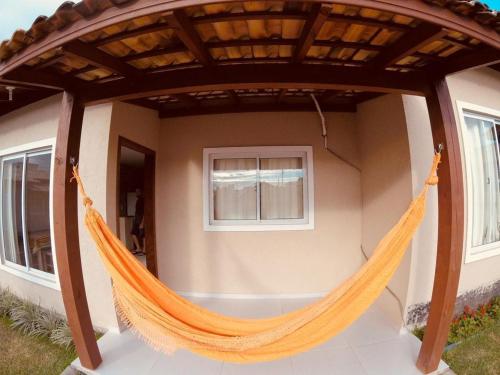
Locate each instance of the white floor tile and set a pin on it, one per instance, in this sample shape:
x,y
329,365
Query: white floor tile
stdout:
x,y
123,354
337,361
370,346
185,363
243,308
372,327
393,357
281,367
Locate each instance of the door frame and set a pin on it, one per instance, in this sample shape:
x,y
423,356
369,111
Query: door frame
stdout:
x,y
149,198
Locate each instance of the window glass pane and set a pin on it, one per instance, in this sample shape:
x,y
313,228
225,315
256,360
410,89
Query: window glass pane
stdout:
x,y
235,189
281,188
484,169
12,221
38,212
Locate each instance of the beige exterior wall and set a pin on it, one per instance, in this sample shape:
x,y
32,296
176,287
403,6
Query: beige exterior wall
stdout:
x,y
33,123
191,260
480,87
102,126
386,176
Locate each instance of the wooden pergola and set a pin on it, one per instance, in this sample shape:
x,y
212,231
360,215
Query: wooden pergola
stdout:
x,y
185,57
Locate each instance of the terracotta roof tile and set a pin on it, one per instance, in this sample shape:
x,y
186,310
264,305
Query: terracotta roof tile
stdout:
x,y
70,12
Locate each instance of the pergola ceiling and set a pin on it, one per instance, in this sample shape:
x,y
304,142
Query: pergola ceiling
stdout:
x,y
276,38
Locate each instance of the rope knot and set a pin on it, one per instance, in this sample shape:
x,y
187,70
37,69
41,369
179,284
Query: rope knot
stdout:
x,y
87,202
433,180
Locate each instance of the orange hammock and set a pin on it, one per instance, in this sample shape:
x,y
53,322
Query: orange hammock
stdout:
x,y
167,321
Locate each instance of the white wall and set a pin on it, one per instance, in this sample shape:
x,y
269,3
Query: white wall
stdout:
x,y
102,125
192,260
33,123
424,244
480,87
386,181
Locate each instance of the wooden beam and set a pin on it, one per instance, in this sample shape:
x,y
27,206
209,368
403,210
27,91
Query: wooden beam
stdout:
x,y
281,95
252,107
466,60
66,232
451,227
318,15
151,104
96,57
234,97
408,44
244,76
22,101
189,36
187,99
39,78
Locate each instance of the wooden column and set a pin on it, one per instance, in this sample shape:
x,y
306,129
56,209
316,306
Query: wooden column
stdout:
x,y
66,232
451,227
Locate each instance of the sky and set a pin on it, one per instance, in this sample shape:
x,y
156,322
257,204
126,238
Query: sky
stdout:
x,y
15,14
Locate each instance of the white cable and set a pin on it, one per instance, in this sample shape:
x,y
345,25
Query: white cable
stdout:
x,y
323,121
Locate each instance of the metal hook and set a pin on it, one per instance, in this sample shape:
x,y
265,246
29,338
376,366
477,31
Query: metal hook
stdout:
x,y
72,161
440,148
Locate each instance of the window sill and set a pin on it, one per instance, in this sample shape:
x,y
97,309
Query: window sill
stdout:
x,y
257,228
50,281
475,254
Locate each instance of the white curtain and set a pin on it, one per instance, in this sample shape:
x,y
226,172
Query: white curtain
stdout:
x,y
11,211
235,189
484,169
281,188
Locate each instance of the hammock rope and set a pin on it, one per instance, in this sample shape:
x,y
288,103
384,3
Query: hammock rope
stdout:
x,y
168,321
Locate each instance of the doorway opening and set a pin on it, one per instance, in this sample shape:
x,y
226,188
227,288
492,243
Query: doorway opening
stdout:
x,y
136,201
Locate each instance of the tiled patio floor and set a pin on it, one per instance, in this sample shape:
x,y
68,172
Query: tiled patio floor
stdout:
x,y
373,345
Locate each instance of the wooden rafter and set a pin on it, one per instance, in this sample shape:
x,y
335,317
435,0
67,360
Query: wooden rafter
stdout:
x,y
49,62
234,97
407,45
297,15
318,15
98,58
251,42
131,33
189,36
281,95
187,99
468,59
39,78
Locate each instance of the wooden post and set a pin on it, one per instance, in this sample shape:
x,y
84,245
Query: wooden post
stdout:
x,y
66,232
451,227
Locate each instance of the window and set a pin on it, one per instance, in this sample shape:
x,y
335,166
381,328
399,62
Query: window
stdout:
x,y
25,236
481,132
258,188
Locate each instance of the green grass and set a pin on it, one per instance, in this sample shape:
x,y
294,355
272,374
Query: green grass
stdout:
x,y
22,354
477,355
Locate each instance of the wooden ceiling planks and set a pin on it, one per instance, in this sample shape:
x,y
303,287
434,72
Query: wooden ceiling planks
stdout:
x,y
336,36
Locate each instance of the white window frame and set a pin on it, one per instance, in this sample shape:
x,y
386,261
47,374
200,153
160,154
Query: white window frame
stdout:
x,y
210,154
25,272
473,253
